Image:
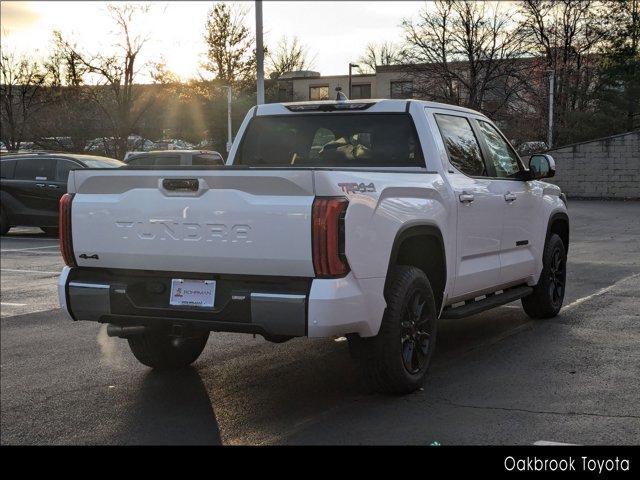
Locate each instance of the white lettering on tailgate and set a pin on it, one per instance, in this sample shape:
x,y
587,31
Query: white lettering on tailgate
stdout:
x,y
168,229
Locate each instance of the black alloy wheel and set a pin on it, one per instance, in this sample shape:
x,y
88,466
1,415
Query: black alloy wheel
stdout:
x,y
416,330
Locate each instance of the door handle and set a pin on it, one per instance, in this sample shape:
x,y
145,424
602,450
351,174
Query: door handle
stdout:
x,y
510,197
40,185
466,197
52,185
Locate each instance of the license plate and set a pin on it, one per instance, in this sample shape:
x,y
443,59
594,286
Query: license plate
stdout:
x,y
192,293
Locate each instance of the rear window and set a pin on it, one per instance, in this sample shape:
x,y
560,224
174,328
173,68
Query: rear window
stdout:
x,y
207,159
167,161
155,160
331,140
141,161
106,163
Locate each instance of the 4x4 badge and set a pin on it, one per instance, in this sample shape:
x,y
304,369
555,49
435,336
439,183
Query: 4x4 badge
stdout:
x,y
357,187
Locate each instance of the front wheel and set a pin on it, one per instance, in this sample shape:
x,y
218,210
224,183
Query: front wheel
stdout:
x,y
548,295
162,351
397,359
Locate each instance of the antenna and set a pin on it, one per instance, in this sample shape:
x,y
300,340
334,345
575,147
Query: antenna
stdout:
x,y
340,97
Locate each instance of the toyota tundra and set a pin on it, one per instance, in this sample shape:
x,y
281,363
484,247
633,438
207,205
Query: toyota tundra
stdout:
x,y
369,219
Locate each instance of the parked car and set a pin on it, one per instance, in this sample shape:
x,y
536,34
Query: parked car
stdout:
x,y
366,219
33,183
164,158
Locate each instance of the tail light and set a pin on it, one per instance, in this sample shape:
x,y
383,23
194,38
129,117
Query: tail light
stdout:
x,y
328,236
64,229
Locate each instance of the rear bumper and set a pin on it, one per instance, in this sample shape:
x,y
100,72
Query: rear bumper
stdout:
x,y
268,306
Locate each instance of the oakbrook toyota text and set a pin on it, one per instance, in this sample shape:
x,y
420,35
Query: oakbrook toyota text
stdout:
x,y
568,464
368,219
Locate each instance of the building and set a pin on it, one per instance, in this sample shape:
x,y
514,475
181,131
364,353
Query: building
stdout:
x,y
514,96
387,82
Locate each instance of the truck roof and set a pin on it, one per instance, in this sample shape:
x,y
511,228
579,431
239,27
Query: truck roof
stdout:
x,y
375,105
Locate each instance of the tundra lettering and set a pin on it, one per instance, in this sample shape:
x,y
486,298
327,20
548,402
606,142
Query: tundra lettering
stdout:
x,y
157,229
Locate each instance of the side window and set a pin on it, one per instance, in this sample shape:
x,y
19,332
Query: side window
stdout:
x,y
462,145
35,169
503,158
63,167
7,168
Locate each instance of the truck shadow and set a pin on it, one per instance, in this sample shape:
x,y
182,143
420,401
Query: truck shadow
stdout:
x,y
269,392
171,408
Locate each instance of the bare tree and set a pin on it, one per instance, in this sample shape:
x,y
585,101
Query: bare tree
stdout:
x,y
466,52
22,95
385,53
121,101
64,65
288,56
65,122
230,55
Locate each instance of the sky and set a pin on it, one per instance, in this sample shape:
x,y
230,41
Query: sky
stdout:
x,y
335,33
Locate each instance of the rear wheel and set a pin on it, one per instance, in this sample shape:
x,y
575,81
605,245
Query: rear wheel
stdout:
x,y
548,295
162,351
397,359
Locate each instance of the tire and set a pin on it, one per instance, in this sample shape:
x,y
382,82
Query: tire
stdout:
x,y
390,361
548,294
161,351
50,231
4,225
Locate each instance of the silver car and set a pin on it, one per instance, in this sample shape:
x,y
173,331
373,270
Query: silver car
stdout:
x,y
165,158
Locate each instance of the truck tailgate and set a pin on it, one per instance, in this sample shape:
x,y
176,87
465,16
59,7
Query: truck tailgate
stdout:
x,y
252,222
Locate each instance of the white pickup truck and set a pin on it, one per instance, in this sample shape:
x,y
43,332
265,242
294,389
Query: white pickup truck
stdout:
x,y
369,219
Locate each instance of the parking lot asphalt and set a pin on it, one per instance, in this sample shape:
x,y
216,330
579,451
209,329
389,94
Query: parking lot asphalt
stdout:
x,y
496,378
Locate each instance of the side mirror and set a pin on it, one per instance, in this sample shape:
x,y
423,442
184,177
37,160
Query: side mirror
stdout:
x,y
542,166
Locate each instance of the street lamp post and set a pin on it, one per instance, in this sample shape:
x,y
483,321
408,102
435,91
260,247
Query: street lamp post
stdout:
x,y
351,65
229,133
552,74
259,53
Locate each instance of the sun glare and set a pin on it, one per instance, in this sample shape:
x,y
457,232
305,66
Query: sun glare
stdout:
x,y
176,29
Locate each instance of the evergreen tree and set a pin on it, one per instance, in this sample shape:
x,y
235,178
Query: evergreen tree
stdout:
x,y
230,55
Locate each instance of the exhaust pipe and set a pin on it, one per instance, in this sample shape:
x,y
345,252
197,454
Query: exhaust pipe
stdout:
x,y
124,332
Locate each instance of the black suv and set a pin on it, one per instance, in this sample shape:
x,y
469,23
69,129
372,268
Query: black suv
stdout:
x,y
31,186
